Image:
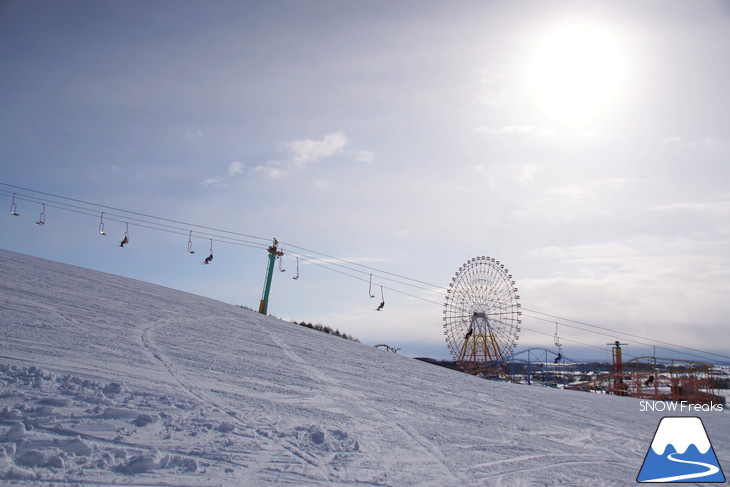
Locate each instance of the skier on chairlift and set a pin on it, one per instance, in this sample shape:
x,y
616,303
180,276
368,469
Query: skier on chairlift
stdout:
x,y
208,259
124,242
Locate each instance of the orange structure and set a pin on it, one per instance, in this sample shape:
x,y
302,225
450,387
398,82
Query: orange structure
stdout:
x,y
658,379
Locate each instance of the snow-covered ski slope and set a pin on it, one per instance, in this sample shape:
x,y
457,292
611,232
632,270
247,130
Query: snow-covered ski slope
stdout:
x,y
106,380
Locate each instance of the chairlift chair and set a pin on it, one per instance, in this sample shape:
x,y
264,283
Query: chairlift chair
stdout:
x,y
382,300
125,240
101,225
14,207
209,259
190,243
556,341
42,218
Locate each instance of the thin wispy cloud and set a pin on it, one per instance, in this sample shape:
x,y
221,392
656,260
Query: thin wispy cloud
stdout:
x,y
720,208
234,168
213,183
270,170
364,156
306,151
706,142
301,153
590,189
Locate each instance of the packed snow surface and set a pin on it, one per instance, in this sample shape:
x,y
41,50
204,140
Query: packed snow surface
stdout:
x,y
106,380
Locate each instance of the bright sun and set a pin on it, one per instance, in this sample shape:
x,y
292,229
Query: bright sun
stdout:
x,y
577,72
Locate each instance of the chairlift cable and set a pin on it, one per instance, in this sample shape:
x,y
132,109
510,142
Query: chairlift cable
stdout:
x,y
133,212
437,289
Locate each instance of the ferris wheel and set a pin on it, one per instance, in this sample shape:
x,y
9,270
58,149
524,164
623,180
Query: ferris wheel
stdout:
x,y
482,316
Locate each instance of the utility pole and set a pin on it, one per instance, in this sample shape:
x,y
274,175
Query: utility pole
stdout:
x,y
274,252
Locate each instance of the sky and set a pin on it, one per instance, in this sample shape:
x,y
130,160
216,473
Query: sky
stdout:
x,y
584,145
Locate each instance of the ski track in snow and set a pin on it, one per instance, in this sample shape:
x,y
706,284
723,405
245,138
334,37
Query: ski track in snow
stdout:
x,y
110,381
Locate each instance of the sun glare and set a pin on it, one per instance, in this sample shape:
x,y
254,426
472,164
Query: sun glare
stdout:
x,y
577,74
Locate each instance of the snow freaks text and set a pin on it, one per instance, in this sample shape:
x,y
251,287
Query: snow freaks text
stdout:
x,y
678,407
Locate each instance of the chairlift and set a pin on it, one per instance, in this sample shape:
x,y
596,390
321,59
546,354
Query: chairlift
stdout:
x,y
297,276
190,243
42,218
370,287
14,207
281,262
101,225
125,240
382,300
556,341
209,259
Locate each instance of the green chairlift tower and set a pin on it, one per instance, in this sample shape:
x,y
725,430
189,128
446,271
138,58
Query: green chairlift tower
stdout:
x,y
274,252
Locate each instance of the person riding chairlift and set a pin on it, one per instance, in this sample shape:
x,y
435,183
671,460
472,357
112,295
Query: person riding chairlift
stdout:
x,y
124,242
208,259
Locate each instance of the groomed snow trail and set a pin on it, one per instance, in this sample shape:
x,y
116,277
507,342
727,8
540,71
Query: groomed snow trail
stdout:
x,y
110,381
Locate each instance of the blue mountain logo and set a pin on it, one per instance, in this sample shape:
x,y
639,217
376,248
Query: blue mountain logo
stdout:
x,y
681,452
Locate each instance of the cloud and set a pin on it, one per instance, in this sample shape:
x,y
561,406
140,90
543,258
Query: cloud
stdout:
x,y
213,183
590,189
364,156
527,173
507,129
299,154
234,168
678,140
306,151
720,208
269,170
498,173
493,90
650,284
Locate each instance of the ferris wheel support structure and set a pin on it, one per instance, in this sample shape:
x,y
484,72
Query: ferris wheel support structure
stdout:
x,y
482,316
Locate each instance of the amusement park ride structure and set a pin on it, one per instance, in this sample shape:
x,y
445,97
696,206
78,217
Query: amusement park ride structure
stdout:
x,y
481,322
482,317
655,378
